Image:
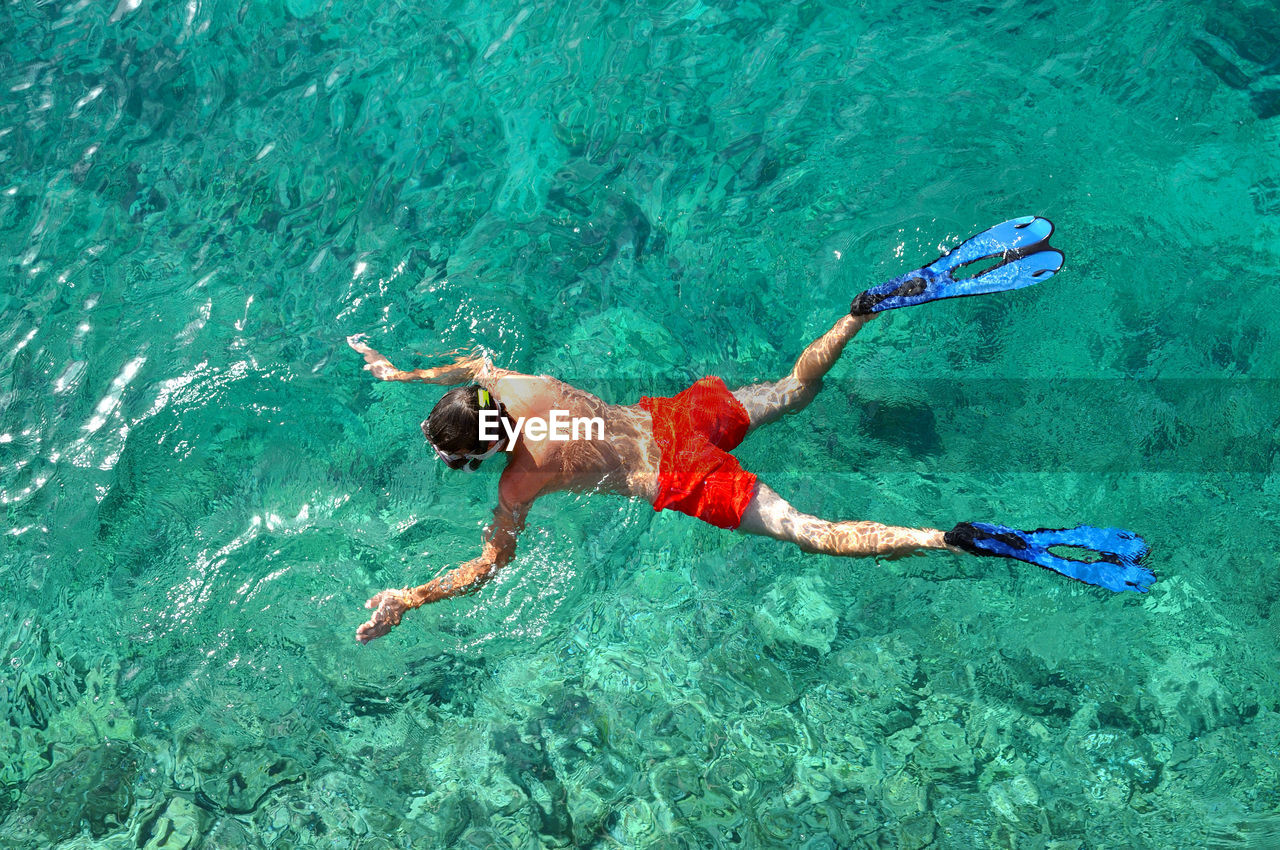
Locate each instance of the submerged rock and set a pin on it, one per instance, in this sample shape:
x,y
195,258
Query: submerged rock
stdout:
x,y
917,832
795,611
235,779
903,795
635,824
1132,761
1191,699
177,827
630,343
943,752
229,833
737,671
771,743
94,788
880,673
1016,800
818,777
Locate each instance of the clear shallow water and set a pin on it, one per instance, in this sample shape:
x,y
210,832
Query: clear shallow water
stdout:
x,y
201,487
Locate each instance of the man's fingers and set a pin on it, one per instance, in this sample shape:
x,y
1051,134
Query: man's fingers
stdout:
x,y
369,631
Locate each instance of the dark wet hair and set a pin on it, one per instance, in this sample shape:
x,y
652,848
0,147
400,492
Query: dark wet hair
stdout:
x,y
454,423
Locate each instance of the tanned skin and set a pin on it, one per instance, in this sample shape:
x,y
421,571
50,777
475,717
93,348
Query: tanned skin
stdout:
x,y
624,462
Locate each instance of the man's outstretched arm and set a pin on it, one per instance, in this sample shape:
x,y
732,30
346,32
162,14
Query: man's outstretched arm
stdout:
x,y
461,371
499,549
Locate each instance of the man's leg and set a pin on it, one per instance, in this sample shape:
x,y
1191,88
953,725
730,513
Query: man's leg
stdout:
x,y
767,402
770,515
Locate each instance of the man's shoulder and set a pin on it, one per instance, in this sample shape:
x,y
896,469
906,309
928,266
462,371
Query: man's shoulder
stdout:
x,y
521,481
515,389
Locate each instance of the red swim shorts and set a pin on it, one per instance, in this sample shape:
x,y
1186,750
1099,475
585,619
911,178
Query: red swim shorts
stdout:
x,y
696,474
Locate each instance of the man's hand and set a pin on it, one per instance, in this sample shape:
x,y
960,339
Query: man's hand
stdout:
x,y
391,605
374,362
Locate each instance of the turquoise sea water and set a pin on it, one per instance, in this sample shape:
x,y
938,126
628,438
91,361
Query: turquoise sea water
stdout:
x,y
199,201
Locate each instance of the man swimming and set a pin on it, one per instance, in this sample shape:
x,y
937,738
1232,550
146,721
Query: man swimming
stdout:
x,y
674,452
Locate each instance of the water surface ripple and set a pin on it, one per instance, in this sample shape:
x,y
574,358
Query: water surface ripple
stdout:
x,y
199,201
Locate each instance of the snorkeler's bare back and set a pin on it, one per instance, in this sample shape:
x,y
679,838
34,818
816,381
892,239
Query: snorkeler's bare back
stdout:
x,y
624,460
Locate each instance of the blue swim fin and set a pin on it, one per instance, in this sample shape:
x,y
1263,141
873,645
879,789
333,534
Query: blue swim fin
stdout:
x,y
1120,552
1021,246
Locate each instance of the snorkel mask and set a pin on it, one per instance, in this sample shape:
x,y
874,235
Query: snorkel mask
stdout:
x,y
472,461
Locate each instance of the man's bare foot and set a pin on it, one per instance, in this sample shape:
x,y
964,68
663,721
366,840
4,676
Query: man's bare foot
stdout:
x,y
391,607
